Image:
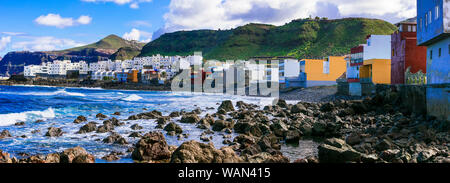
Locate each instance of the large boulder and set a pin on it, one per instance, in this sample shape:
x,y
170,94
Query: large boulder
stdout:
x,y
299,108
173,127
54,132
221,124
101,116
5,134
190,118
5,157
151,147
76,155
107,126
195,152
90,127
337,151
227,106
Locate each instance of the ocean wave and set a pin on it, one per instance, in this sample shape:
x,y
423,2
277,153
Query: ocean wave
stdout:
x,y
61,92
133,97
12,118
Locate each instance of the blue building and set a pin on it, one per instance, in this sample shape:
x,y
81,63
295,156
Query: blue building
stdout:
x,y
433,19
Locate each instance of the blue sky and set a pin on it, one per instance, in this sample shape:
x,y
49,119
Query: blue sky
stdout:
x,y
58,24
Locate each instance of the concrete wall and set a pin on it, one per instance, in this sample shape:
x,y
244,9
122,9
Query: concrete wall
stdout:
x,y
355,89
438,101
378,47
342,88
426,33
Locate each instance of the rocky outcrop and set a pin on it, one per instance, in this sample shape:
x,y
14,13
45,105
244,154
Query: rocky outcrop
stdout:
x,y
115,138
173,127
54,132
337,151
147,115
195,152
5,134
226,106
76,155
151,147
79,119
90,127
190,118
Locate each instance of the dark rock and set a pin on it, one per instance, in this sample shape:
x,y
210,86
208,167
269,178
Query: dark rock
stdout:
x,y
106,127
135,135
152,146
76,155
190,118
101,116
173,127
163,120
90,127
337,151
282,103
5,134
267,158
175,114
116,114
136,127
195,152
19,124
292,136
54,132
299,108
219,125
227,106
114,121
80,119
115,138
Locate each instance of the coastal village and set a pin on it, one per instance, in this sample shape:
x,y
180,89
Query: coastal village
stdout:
x,y
402,115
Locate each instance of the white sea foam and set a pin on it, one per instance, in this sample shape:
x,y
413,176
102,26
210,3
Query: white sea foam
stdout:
x,y
133,97
12,118
61,92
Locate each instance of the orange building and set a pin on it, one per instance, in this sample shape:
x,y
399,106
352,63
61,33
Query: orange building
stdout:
x,y
328,69
378,70
133,76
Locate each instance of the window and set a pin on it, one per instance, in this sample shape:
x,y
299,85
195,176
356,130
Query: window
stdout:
x,y
429,17
409,28
393,52
439,52
421,23
437,13
431,54
449,49
426,19
414,28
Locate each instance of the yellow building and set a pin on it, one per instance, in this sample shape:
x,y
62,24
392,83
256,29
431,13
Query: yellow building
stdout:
x,y
376,70
328,69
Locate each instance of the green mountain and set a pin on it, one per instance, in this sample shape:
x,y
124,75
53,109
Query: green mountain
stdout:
x,y
111,42
300,38
125,53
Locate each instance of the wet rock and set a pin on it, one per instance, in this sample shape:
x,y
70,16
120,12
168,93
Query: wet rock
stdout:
x,y
135,135
76,155
90,127
173,127
106,127
5,134
136,127
282,103
327,107
39,121
115,138
175,114
292,136
384,144
33,132
80,119
353,139
114,156
101,116
227,106
267,158
116,114
298,108
20,123
163,120
219,125
279,128
426,155
147,115
337,151
190,118
206,138
152,146
114,121
204,124
195,152
54,132
52,158
5,157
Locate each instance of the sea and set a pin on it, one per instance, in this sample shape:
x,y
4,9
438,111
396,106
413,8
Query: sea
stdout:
x,y
58,107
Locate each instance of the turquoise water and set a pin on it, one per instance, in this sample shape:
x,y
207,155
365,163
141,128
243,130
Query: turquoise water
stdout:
x,y
58,107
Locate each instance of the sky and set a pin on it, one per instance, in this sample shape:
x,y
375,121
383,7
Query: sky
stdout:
x,y
45,25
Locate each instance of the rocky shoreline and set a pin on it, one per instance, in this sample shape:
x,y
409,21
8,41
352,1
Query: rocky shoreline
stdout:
x,y
373,130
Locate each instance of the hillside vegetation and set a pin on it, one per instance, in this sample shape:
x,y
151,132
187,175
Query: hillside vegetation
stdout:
x,y
301,38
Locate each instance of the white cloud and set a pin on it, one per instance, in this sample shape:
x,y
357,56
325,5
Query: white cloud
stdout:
x,y
46,43
225,14
4,41
133,3
55,20
137,35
